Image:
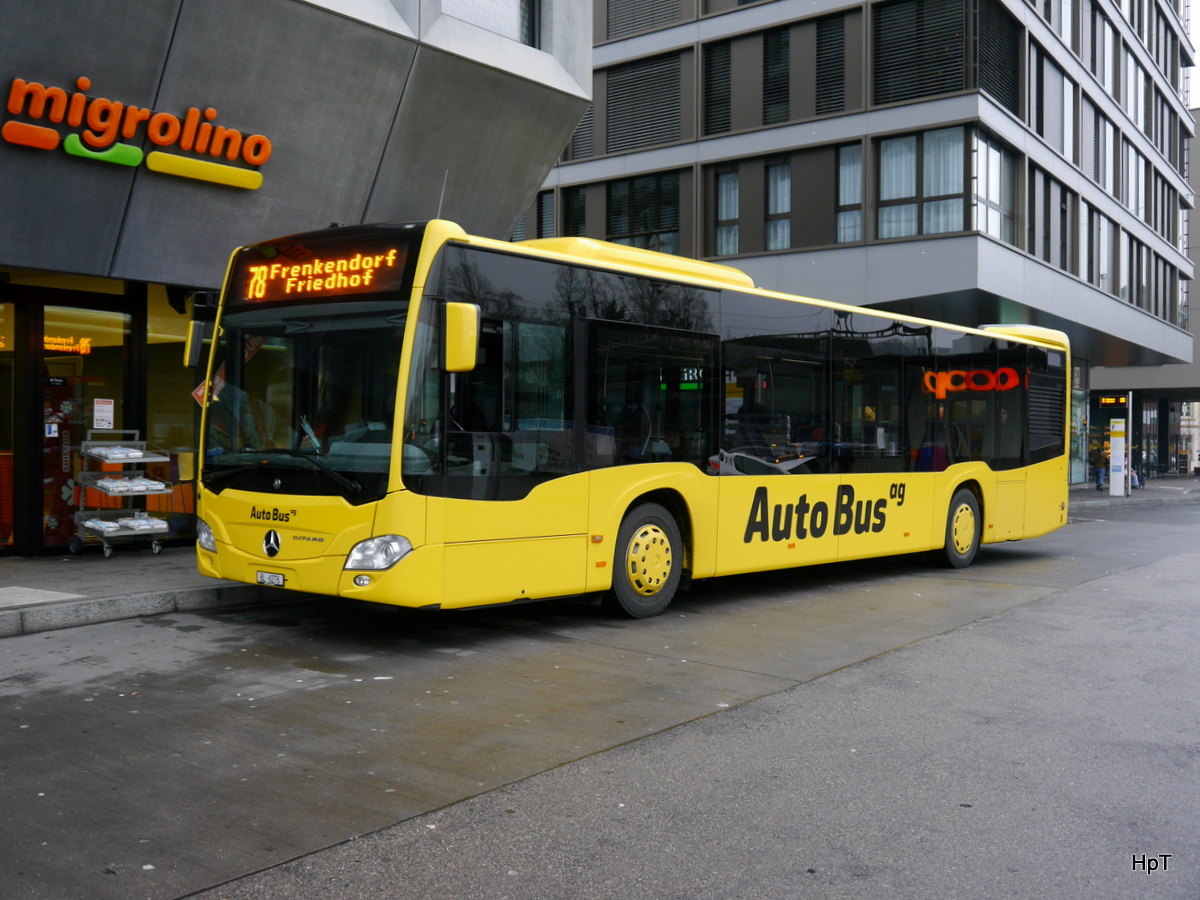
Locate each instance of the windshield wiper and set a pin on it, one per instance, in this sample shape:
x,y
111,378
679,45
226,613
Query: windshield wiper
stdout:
x,y
348,483
312,435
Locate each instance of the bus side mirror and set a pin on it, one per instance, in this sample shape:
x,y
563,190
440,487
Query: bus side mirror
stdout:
x,y
194,344
462,336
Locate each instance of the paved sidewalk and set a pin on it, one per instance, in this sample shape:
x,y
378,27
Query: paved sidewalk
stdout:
x,y
49,592
1168,489
44,593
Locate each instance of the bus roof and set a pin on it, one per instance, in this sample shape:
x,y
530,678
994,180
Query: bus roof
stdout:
x,y
652,262
647,260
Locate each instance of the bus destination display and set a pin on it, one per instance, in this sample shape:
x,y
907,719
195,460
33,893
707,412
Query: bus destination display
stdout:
x,y
300,272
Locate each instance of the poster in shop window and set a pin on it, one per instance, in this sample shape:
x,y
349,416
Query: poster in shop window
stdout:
x,y
102,414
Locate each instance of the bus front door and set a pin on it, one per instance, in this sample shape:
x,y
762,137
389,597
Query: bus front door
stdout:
x,y
511,529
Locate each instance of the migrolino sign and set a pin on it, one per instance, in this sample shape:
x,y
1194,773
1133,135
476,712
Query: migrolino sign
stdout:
x,y
101,122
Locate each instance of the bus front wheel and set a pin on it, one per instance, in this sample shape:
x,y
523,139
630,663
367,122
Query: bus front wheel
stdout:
x,y
964,526
648,563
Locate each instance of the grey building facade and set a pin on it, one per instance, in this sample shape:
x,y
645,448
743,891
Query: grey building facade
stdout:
x,y
1166,397
977,161
142,140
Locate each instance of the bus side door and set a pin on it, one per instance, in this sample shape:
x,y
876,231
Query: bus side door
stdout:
x,y
513,516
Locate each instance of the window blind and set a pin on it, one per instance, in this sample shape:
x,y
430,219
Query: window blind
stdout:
x,y
919,49
831,65
776,75
717,88
643,104
632,16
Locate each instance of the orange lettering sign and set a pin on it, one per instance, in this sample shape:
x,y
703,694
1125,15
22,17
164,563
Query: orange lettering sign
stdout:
x,y
348,274
950,382
103,121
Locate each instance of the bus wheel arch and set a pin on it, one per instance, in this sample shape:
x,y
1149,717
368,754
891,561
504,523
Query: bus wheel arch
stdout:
x,y
650,557
964,527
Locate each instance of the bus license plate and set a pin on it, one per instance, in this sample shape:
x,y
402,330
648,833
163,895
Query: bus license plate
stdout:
x,y
270,578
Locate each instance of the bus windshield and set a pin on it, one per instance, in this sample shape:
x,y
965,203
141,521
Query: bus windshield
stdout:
x,y
303,398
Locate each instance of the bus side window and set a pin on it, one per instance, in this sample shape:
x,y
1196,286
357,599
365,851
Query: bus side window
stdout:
x,y
649,394
477,398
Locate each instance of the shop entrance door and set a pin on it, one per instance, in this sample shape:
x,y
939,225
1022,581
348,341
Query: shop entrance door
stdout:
x,y
84,364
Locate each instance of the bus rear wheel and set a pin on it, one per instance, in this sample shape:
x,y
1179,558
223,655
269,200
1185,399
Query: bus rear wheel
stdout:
x,y
648,563
964,527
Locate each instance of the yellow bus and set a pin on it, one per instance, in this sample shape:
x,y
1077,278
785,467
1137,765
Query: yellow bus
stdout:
x,y
406,414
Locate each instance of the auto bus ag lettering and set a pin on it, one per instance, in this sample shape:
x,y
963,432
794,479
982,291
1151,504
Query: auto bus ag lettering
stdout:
x,y
770,522
271,515
102,121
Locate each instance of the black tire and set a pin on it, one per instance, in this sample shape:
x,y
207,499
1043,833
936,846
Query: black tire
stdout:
x,y
648,563
964,530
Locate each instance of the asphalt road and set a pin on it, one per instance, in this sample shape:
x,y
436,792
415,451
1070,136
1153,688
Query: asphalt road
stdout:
x,y
1023,728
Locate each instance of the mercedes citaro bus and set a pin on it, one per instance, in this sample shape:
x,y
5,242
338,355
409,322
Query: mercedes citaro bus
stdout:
x,y
410,415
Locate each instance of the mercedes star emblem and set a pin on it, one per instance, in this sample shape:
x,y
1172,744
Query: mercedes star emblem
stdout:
x,y
271,543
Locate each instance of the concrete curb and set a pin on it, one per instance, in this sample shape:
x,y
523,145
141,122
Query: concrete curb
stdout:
x,y
70,613
1075,504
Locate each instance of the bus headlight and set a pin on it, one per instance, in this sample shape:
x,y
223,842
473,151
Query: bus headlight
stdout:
x,y
379,553
205,537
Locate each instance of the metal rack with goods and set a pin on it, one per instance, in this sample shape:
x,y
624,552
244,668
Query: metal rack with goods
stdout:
x,y
125,523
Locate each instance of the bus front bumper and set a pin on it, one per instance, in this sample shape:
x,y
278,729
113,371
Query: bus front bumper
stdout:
x,y
414,581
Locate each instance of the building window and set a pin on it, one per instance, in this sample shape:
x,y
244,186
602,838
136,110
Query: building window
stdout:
x,y
1133,180
1133,78
779,206
574,205
644,212
717,88
1051,219
633,16
776,75
1098,145
539,218
943,181
920,49
831,65
1060,15
998,44
1163,208
643,104
515,19
582,141
995,189
728,201
1096,249
1052,103
545,214
1102,60
531,22
1133,270
1123,267
849,194
898,187
921,183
